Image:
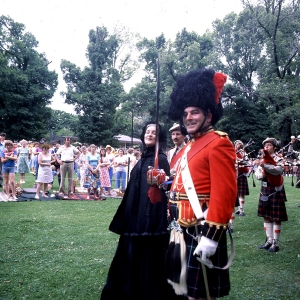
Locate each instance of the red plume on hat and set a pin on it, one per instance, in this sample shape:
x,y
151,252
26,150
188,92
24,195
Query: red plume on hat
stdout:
x,y
219,82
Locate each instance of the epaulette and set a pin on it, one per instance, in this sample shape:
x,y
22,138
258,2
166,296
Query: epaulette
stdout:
x,y
222,134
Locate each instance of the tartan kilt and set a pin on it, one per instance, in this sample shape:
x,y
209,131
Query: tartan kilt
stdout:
x,y
276,210
243,188
218,280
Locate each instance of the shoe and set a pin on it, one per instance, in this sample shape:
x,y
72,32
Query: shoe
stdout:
x,y
274,247
237,212
37,197
15,198
266,245
45,196
242,214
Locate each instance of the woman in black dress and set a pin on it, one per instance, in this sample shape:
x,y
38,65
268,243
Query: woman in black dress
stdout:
x,y
136,271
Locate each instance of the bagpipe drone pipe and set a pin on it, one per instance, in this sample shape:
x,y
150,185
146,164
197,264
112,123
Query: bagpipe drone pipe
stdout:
x,y
275,180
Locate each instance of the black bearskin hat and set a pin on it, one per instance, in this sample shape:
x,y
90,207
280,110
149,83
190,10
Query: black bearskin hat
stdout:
x,y
201,88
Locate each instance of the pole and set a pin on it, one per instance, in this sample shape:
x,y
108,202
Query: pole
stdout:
x,y
132,129
157,112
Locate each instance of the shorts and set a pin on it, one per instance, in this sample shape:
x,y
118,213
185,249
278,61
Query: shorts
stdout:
x,y
8,170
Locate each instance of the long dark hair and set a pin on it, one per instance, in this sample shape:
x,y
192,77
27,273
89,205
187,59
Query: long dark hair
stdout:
x,y
162,138
102,155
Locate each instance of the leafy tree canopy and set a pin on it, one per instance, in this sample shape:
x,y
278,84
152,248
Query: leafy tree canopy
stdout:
x,y
26,84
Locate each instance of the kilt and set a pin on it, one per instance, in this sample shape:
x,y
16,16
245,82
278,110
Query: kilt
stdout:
x,y
276,210
218,280
242,183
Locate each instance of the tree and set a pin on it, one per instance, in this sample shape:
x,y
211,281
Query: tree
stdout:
x,y
95,91
279,24
187,52
26,84
238,54
261,61
61,124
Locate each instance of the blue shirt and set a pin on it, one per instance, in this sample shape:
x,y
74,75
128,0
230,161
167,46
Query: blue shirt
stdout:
x,y
2,148
10,162
93,159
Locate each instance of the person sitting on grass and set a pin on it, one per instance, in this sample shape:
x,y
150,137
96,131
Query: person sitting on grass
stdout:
x,y
8,159
45,176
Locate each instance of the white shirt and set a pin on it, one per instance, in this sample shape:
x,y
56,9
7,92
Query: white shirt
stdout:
x,y
171,152
67,153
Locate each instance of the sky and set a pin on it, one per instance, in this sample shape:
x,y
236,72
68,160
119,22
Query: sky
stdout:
x,y
62,26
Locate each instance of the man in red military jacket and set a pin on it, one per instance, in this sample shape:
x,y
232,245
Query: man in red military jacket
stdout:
x,y
210,171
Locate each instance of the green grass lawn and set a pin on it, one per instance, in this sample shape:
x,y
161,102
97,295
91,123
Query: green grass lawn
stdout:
x,y
63,249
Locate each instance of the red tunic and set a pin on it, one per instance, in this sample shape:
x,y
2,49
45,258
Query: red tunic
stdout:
x,y
213,172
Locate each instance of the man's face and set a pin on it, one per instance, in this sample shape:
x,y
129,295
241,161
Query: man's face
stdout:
x,y
177,137
67,142
193,118
2,138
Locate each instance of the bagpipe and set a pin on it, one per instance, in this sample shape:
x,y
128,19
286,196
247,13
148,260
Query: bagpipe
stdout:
x,y
287,161
275,180
243,157
244,161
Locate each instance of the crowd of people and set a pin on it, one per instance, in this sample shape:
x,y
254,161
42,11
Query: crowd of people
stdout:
x,y
177,207
94,167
